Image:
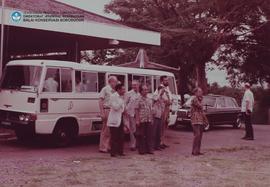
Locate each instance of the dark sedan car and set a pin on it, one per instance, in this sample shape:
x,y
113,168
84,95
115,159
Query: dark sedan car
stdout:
x,y
220,110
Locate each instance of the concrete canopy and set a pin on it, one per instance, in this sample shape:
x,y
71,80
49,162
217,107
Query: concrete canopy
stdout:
x,y
95,32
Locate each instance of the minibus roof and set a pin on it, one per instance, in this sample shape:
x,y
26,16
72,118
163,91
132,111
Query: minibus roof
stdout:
x,y
88,67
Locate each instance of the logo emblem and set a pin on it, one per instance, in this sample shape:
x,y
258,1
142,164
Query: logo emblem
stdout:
x,y
16,16
7,106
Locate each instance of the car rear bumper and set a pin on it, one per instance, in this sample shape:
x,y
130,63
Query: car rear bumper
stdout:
x,y
183,120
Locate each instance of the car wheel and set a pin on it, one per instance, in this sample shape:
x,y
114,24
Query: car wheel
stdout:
x,y
238,124
63,136
207,127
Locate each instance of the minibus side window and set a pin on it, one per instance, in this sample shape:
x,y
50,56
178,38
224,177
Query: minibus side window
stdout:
x,y
66,80
156,82
139,78
172,85
101,81
78,81
148,82
129,82
89,82
86,81
52,80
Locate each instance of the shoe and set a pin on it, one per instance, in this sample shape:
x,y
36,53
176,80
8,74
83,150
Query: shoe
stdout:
x,y
162,147
122,154
249,138
103,151
113,155
132,149
150,153
201,153
196,154
141,153
158,149
244,138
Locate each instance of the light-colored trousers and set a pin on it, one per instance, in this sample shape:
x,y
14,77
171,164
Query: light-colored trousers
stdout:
x,y
105,136
132,130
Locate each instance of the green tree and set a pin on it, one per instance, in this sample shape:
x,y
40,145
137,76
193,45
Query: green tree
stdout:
x,y
193,30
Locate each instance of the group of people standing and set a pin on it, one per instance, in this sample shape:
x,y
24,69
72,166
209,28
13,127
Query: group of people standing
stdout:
x,y
199,119
144,118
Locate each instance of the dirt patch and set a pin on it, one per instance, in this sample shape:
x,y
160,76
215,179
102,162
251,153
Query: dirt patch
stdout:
x,y
225,164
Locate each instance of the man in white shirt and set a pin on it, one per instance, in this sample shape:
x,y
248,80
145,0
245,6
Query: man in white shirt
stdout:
x,y
131,99
50,85
115,122
104,105
246,109
167,99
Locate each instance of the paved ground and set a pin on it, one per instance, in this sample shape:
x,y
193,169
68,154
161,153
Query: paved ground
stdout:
x,y
228,161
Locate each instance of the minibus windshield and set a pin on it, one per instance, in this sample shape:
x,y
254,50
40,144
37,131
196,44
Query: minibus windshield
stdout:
x,y
21,78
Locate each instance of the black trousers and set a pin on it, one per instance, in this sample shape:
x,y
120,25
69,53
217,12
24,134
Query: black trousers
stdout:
x,y
144,135
248,126
198,133
157,127
117,140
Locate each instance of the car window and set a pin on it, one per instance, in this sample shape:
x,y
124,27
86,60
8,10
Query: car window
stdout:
x,y
209,101
221,103
230,103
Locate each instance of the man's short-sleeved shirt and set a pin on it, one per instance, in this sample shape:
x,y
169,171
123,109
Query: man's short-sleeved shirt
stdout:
x,y
144,106
105,94
131,102
248,96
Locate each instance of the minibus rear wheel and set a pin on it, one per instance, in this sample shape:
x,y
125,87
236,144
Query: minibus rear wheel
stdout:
x,y
64,133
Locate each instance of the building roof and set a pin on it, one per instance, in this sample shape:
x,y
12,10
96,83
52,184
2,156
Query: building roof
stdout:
x,y
93,25
49,5
142,61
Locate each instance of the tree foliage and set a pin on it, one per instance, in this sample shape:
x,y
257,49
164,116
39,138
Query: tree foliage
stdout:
x,y
193,30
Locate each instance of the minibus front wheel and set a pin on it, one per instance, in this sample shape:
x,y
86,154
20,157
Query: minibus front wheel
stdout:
x,y
65,133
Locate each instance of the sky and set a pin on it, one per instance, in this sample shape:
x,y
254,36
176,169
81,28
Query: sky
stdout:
x,y
97,6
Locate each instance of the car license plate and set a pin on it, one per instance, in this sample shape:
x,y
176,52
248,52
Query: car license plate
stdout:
x,y
6,123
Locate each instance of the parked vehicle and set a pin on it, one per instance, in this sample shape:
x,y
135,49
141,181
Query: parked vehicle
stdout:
x,y
60,98
220,110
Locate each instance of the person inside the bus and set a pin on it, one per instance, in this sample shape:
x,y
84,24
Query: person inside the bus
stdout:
x,y
79,85
104,105
50,84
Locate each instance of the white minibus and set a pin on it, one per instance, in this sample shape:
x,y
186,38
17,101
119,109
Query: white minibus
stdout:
x,y
60,98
